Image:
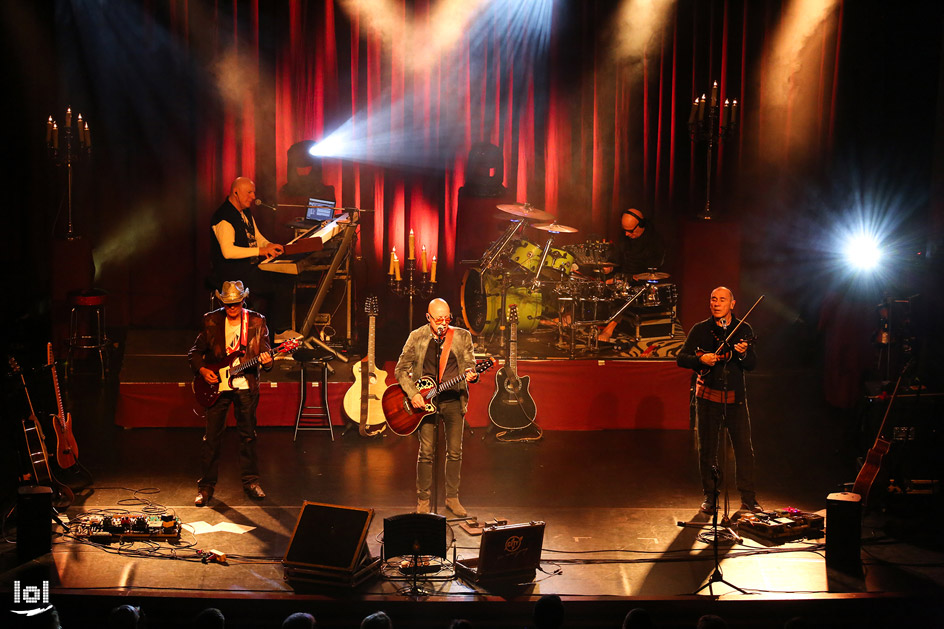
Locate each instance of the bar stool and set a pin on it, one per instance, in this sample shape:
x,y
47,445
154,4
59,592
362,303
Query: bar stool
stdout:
x,y
313,417
87,324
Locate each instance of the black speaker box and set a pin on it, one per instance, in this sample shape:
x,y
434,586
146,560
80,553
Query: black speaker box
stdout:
x,y
33,522
843,530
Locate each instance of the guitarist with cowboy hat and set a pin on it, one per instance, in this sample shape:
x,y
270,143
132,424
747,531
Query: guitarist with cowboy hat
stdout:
x,y
227,330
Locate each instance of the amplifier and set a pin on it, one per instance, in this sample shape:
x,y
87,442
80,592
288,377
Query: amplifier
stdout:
x,y
130,526
778,524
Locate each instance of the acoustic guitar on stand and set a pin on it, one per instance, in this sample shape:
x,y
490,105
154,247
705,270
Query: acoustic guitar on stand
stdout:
x,y
226,371
512,406
402,418
67,451
362,402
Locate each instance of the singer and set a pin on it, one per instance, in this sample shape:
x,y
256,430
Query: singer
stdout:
x,y
237,242
442,352
720,396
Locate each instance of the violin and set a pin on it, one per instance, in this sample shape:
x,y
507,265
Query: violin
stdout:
x,y
726,350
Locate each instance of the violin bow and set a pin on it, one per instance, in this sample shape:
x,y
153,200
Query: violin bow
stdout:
x,y
734,329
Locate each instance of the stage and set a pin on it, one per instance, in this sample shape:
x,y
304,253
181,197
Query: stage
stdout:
x,y
612,500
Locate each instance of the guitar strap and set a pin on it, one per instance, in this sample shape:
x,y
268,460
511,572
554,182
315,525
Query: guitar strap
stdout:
x,y
444,356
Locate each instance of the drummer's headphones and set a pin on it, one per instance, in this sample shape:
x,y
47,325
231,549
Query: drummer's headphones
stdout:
x,y
642,221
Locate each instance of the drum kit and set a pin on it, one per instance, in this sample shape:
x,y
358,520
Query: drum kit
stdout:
x,y
571,287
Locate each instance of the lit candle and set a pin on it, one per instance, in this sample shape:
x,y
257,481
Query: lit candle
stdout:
x,y
393,256
423,259
701,108
49,130
412,246
68,116
714,94
88,137
691,116
432,271
55,135
396,267
726,114
734,111
81,130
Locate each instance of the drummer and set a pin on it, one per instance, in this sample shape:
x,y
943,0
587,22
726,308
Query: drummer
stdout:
x,y
639,249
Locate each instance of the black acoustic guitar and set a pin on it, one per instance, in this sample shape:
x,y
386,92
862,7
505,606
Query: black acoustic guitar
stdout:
x,y
512,406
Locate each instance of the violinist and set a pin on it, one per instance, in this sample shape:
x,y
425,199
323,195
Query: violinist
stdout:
x,y
720,397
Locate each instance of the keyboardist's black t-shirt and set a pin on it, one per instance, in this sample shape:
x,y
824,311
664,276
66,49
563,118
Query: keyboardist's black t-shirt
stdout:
x,y
245,236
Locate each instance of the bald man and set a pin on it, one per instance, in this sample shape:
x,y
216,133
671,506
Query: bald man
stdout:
x,y
237,244
721,396
237,237
421,357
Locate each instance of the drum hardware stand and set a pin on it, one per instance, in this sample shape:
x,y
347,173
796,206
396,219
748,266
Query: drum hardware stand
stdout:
x,y
416,283
495,249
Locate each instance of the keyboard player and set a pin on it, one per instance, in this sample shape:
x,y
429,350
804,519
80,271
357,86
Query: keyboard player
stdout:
x,y
237,245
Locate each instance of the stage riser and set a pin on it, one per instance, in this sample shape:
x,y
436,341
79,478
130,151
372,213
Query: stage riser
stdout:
x,y
570,395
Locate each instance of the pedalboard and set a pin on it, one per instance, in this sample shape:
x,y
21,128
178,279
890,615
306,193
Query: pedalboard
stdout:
x,y
130,526
786,523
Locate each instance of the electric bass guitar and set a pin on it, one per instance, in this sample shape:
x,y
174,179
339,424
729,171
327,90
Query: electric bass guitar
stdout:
x,y
226,371
67,451
512,406
36,451
362,400
402,418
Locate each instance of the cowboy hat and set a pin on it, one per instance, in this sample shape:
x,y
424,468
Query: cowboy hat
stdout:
x,y
233,293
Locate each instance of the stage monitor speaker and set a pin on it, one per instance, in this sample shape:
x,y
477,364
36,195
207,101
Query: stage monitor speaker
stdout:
x,y
844,531
33,522
328,537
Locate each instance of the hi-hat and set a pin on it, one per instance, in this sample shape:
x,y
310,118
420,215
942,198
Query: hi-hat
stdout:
x,y
556,228
525,210
651,276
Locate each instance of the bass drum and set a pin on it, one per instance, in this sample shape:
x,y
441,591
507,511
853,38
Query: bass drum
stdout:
x,y
480,296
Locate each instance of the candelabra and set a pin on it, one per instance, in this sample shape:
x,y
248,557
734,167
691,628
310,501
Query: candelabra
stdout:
x,y
75,145
709,122
409,281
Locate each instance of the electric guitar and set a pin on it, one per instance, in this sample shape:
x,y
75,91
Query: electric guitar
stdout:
x,y
402,418
36,451
362,400
512,406
67,451
226,371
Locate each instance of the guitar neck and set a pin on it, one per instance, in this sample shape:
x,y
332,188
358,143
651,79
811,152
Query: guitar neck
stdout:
x,y
55,379
371,340
512,371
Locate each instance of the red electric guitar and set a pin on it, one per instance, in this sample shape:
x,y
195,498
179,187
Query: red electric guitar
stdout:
x,y
67,451
402,418
226,371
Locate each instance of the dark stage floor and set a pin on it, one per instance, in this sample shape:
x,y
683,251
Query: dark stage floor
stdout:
x,y
612,501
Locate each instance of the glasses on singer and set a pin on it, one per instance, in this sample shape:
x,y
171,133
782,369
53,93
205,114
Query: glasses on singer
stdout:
x,y
439,319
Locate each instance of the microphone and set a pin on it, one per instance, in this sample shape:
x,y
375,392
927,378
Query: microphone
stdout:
x,y
440,330
259,202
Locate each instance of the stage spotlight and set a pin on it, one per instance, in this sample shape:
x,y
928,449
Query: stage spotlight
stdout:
x,y
862,252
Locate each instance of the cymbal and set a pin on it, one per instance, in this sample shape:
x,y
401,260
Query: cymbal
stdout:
x,y
596,265
525,210
556,228
655,275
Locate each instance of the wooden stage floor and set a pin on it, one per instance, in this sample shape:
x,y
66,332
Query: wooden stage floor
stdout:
x,y
612,501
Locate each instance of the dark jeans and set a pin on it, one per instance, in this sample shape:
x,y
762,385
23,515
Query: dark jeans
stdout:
x,y
738,426
244,404
450,413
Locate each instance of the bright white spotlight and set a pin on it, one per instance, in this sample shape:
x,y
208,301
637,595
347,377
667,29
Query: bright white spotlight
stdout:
x,y
863,252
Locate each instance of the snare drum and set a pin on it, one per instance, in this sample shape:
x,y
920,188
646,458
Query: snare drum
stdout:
x,y
657,296
481,303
